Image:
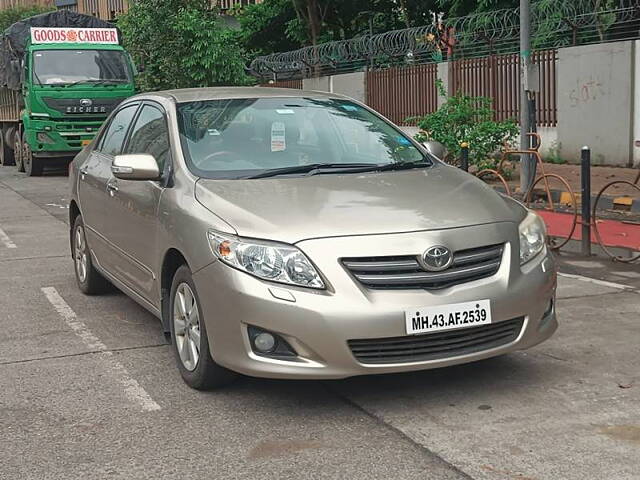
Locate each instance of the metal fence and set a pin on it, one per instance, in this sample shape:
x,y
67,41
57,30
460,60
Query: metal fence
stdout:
x,y
402,92
555,24
409,91
498,77
293,83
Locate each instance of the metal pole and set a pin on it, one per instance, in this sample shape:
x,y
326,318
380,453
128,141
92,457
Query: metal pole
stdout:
x,y
585,163
525,61
464,156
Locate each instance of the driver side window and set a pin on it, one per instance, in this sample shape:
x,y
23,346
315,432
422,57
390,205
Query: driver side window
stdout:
x,y
150,135
113,137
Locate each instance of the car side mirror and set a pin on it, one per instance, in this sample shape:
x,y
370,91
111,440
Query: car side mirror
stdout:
x,y
436,149
135,166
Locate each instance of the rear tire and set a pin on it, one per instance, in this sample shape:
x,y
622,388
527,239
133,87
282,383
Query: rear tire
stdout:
x,y
189,336
6,153
17,150
89,280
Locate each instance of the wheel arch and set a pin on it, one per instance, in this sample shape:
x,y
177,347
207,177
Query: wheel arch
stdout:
x,y
173,259
74,212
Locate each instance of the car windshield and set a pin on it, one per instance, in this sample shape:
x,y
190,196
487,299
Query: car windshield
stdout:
x,y
64,67
241,138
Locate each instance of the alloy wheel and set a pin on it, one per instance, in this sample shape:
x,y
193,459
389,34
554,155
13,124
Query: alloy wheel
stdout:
x,y
80,254
186,326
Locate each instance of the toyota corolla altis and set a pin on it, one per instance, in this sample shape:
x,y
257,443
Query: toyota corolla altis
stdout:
x,y
290,234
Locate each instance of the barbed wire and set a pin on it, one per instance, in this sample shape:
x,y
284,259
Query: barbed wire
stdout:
x,y
555,23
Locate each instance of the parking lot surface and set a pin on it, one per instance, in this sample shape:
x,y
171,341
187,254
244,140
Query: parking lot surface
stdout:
x,y
89,388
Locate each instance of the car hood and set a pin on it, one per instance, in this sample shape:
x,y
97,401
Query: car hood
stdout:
x,y
295,209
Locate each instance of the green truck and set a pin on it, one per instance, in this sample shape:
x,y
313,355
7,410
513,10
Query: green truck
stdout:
x,y
61,74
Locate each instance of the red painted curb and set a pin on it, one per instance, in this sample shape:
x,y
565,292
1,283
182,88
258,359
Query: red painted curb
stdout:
x,y
612,232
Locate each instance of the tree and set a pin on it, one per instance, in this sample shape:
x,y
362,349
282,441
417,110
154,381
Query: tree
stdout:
x,y
267,27
312,13
11,15
182,43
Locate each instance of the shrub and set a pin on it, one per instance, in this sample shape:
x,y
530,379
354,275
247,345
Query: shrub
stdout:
x,y
463,118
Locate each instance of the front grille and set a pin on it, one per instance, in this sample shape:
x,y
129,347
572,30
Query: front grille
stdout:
x,y
435,346
407,272
72,106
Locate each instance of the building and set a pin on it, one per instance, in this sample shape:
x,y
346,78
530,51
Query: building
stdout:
x,y
105,9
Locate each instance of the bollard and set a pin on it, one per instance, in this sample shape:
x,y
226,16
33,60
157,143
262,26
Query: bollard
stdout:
x,y
585,163
464,156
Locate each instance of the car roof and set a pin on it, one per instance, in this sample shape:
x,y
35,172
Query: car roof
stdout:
x,y
222,93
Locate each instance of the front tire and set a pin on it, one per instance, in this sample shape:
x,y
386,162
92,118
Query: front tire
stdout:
x,y
6,153
189,336
33,166
89,280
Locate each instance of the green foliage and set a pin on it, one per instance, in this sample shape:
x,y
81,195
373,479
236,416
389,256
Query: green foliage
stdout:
x,y
268,27
11,15
553,155
282,25
182,43
468,119
459,8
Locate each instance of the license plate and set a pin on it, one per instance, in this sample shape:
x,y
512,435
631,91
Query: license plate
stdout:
x,y
85,142
447,317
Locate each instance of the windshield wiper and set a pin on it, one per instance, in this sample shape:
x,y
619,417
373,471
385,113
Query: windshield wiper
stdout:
x,y
404,165
300,169
95,81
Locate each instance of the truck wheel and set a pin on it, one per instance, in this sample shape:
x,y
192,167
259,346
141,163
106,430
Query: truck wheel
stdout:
x,y
6,153
17,149
32,165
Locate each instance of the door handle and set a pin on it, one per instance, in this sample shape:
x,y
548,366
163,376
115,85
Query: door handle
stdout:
x,y
112,188
83,171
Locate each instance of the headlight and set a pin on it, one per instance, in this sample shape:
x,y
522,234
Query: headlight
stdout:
x,y
43,137
270,261
532,237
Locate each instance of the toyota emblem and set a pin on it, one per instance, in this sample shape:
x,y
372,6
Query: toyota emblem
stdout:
x,y
437,258
86,102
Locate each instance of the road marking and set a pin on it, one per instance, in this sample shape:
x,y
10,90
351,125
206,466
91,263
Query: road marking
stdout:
x,y
132,388
6,241
602,283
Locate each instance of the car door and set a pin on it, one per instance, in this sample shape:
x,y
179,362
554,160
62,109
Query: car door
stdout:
x,y
132,222
93,179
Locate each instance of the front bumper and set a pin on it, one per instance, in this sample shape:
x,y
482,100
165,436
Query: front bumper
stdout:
x,y
60,137
318,324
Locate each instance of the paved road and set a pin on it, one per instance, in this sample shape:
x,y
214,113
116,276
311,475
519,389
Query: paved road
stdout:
x,y
88,388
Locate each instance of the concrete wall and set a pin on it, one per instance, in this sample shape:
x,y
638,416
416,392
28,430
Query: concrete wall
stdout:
x,y
443,74
350,84
595,102
320,83
636,106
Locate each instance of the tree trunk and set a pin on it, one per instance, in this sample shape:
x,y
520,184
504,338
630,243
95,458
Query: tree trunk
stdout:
x,y
405,13
308,12
313,16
